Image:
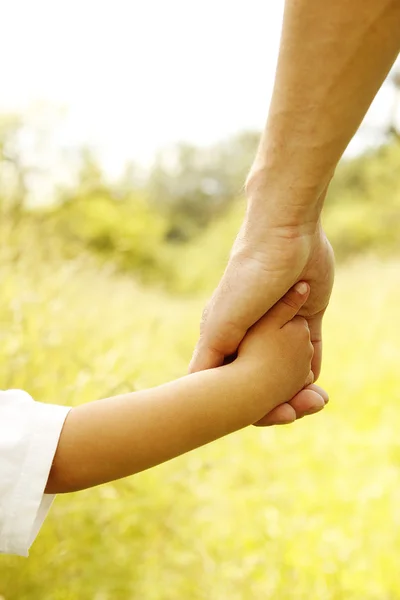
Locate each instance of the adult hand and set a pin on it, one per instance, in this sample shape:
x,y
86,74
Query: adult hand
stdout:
x,y
274,249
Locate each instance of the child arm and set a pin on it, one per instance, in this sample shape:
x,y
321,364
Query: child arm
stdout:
x,y
116,437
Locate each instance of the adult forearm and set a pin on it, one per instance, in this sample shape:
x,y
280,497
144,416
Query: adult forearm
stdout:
x,y
116,437
333,58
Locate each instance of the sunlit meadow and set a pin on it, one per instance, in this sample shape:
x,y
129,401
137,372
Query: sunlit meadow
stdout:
x,y
305,511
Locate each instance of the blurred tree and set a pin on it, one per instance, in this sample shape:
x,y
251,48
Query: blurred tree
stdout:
x,y
113,220
91,180
13,170
192,186
29,157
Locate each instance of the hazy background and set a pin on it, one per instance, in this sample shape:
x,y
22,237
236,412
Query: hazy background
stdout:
x,y
126,132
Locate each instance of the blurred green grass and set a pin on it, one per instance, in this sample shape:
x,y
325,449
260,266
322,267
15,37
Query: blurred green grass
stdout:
x,y
305,511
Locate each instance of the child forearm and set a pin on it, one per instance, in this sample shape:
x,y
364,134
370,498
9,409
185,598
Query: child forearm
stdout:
x,y
116,437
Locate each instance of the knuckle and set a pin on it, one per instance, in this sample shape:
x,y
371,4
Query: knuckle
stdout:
x,y
298,329
288,300
310,378
300,323
205,317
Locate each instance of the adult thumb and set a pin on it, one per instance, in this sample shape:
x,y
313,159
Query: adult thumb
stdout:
x,y
216,342
244,294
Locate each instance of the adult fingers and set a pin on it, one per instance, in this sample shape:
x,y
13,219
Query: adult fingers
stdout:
x,y
315,327
308,401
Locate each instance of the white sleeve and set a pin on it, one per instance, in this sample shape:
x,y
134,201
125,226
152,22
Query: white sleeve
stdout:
x,y
29,434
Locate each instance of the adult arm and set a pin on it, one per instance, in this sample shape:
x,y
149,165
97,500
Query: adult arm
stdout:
x,y
333,58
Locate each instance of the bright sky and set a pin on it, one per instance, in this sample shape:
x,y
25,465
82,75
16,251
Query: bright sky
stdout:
x,y
137,75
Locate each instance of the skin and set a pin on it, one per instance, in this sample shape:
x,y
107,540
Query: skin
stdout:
x,y
112,438
333,58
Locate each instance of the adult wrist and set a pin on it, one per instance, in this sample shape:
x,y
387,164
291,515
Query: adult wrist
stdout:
x,y
276,201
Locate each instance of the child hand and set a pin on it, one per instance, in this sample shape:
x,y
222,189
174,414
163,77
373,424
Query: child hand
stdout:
x,y
276,353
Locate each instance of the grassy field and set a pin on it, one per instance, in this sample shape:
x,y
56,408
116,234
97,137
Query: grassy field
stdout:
x,y
308,511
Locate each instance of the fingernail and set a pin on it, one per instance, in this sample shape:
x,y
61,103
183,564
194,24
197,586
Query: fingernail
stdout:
x,y
301,287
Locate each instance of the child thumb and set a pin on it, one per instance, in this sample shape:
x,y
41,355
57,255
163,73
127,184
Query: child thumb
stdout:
x,y
288,306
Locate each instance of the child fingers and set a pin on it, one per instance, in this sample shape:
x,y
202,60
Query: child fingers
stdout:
x,y
288,306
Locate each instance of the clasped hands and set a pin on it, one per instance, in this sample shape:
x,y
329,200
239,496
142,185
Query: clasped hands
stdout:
x,y
276,247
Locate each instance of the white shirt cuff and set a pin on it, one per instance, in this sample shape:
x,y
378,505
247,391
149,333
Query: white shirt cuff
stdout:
x,y
25,506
